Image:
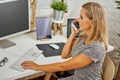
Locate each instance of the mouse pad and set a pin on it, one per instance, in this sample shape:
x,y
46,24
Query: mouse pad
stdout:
x,y
49,51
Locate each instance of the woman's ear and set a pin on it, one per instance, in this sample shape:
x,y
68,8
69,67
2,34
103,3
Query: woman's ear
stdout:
x,y
91,23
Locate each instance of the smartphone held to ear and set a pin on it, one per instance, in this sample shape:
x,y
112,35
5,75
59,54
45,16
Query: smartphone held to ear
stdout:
x,y
75,25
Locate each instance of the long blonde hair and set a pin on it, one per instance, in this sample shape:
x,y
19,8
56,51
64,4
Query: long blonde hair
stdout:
x,y
95,12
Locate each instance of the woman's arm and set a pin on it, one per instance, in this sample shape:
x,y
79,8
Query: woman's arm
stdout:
x,y
68,47
69,44
77,62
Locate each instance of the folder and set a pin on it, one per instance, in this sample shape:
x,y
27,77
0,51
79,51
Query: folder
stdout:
x,y
43,27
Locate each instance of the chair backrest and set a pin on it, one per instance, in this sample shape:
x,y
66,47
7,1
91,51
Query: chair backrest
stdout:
x,y
108,69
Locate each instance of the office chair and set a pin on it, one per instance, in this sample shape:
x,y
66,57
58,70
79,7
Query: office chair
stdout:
x,y
108,69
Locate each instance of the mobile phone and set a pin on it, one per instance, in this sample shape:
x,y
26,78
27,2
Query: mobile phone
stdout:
x,y
75,25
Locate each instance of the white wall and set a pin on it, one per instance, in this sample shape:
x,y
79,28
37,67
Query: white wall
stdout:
x,y
74,7
43,8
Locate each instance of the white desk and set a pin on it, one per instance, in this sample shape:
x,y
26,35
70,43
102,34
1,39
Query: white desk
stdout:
x,y
24,43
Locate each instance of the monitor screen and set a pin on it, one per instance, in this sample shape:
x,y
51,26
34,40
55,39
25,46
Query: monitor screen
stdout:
x,y
14,17
69,21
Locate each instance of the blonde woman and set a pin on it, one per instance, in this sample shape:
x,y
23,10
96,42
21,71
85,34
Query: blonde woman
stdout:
x,y
87,52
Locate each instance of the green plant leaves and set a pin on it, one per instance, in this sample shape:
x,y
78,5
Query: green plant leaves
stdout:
x,y
59,6
118,34
118,4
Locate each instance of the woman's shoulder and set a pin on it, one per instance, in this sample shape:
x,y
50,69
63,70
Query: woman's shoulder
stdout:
x,y
97,47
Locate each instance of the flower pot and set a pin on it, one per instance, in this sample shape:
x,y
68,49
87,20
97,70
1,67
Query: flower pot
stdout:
x,y
58,15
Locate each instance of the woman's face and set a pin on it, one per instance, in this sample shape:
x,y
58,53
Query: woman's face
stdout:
x,y
84,21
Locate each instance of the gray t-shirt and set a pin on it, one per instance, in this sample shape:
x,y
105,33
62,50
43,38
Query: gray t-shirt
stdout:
x,y
94,51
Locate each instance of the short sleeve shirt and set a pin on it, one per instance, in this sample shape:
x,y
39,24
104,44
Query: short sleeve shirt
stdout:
x,y
94,51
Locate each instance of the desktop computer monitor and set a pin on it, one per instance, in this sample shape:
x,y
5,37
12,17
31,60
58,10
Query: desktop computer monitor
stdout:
x,y
14,19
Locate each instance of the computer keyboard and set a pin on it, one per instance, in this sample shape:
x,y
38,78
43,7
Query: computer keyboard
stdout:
x,y
31,55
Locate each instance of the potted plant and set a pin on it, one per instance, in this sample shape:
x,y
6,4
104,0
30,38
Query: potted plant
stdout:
x,y
118,4
59,9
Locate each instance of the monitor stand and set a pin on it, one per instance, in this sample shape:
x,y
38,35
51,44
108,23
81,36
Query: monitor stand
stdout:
x,y
6,43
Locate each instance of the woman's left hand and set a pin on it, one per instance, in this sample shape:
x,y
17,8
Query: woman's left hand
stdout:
x,y
30,65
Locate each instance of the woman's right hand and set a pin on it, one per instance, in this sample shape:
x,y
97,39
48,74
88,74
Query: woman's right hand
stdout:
x,y
66,52
73,31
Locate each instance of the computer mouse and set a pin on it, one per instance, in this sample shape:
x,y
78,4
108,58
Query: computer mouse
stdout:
x,y
54,46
